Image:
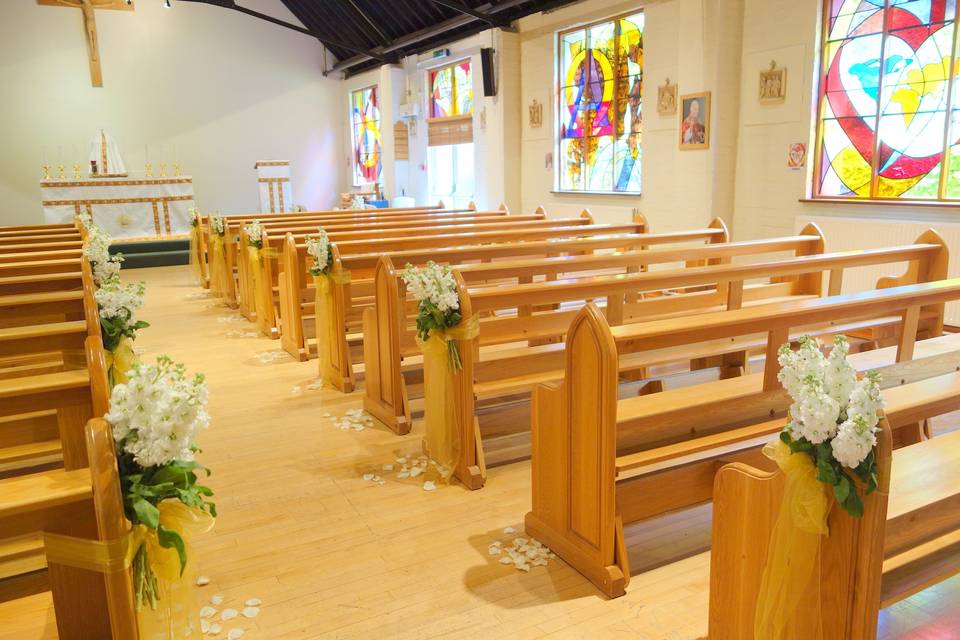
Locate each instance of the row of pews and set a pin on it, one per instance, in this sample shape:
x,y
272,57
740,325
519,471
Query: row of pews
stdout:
x,y
58,469
637,370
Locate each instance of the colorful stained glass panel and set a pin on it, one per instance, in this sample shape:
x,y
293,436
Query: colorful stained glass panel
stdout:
x,y
365,120
888,62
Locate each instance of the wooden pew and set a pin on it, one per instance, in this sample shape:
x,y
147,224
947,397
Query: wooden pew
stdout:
x,y
906,541
507,314
599,463
78,501
354,277
6,230
58,236
232,254
421,236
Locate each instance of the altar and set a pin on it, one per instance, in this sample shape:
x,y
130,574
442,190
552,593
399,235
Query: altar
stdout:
x,y
126,207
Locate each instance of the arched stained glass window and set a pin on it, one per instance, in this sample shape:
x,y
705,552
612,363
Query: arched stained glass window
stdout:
x,y
600,114
365,121
889,113
451,90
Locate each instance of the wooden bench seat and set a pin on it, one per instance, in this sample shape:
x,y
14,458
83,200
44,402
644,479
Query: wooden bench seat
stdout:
x,y
699,290
61,281
72,236
40,247
598,461
907,539
15,309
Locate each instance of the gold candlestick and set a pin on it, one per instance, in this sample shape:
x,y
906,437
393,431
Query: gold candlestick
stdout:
x,y
176,169
46,172
60,172
148,170
163,169
76,170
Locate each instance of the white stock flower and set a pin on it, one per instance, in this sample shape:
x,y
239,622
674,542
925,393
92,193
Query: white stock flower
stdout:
x,y
434,283
158,413
255,232
119,302
97,250
218,224
319,249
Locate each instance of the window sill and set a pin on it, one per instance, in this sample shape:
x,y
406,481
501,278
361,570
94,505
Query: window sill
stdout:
x,y
631,194
933,204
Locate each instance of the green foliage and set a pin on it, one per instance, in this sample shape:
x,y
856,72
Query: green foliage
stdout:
x,y
430,318
832,473
113,330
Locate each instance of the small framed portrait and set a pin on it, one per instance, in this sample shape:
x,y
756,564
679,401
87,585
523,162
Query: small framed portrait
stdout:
x,y
667,99
695,121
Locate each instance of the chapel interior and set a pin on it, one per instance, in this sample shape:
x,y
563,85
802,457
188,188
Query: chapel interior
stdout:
x,y
519,319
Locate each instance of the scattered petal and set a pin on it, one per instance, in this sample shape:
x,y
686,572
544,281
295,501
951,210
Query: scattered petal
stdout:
x,y
204,626
429,485
506,560
217,599
494,549
388,467
251,612
215,628
228,614
253,602
202,581
509,530
234,634
414,472
207,612
402,475
368,476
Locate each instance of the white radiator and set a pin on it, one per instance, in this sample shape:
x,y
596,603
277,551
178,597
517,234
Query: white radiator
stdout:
x,y
844,234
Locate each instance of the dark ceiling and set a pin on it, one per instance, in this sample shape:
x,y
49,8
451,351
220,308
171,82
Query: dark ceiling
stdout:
x,y
352,30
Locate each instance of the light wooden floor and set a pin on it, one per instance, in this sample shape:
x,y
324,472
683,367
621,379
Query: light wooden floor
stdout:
x,y
334,556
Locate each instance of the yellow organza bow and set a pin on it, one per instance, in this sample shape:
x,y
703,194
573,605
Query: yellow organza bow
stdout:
x,y
175,615
120,361
326,326
218,267
195,252
262,290
442,434
788,603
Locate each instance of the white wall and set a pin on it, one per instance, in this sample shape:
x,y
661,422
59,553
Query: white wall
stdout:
x,y
223,88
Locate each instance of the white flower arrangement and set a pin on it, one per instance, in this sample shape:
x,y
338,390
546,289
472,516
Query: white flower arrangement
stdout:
x,y
834,416
118,305
194,216
435,289
156,416
105,267
255,234
358,202
86,220
218,224
319,249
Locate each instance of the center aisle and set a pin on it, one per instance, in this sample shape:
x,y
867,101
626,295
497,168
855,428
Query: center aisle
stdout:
x,y
333,555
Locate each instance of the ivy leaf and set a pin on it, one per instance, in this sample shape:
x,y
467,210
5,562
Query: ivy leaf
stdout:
x,y
826,473
169,539
853,505
147,513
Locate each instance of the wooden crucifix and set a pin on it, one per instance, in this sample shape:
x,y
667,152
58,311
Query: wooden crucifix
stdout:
x,y
88,8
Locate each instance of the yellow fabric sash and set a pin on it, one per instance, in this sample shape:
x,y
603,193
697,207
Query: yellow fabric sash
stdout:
x,y
120,361
195,252
262,290
442,436
218,267
176,615
325,320
788,603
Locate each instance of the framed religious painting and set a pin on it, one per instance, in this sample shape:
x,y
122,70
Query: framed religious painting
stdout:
x,y
695,121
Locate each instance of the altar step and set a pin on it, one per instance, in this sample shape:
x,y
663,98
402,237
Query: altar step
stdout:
x,y
152,253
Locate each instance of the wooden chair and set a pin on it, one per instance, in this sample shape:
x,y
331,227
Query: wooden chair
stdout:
x,y
599,463
907,540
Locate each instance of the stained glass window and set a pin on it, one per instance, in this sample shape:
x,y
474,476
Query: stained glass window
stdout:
x,y
451,90
889,113
365,120
600,111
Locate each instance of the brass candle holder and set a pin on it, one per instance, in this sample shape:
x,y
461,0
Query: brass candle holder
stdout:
x,y
163,169
46,172
148,170
61,172
76,170
176,169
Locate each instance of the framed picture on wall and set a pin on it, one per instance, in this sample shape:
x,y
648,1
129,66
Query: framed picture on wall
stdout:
x,y
695,121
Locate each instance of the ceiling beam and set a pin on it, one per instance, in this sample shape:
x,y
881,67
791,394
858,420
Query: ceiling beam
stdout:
x,y
384,40
490,19
429,32
231,4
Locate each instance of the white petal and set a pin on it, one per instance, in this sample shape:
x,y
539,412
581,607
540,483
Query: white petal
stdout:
x,y
403,474
368,476
251,612
388,467
415,472
252,602
494,550
509,530
202,580
506,560
234,634
207,612
228,614
217,599
215,628
204,626
429,485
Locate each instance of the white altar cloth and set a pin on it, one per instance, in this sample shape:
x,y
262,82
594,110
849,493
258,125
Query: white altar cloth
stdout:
x,y
125,207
